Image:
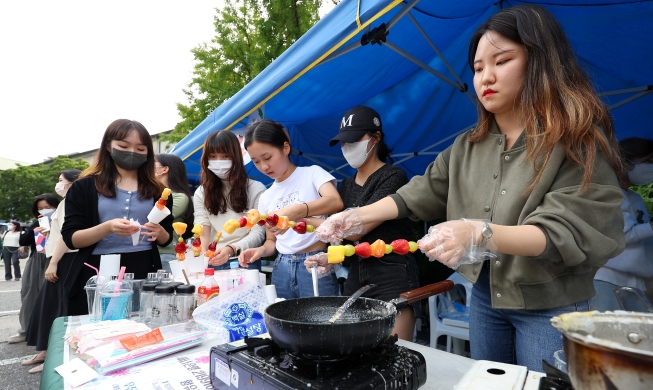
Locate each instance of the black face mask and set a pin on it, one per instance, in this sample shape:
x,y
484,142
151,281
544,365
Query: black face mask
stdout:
x,y
128,160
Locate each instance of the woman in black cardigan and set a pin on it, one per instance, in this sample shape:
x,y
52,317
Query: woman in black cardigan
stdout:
x,y
119,186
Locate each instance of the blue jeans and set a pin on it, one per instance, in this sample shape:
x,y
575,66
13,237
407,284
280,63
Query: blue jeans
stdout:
x,y
523,337
166,258
292,279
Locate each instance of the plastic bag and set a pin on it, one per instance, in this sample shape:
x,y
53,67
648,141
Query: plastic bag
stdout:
x,y
452,310
234,314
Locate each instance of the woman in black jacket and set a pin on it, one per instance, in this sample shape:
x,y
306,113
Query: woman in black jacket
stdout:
x,y
119,186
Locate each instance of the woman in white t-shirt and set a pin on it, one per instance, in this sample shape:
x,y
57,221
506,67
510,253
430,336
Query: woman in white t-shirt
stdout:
x,y
297,193
226,193
10,250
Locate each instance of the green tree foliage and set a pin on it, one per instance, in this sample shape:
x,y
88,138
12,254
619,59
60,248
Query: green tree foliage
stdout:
x,y
19,186
250,34
646,193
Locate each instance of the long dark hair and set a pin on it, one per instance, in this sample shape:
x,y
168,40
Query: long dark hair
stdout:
x,y
105,169
215,200
48,198
178,181
70,174
558,103
266,131
16,226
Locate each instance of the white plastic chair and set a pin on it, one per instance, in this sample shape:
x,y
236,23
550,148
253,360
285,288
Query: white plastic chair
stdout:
x,y
456,331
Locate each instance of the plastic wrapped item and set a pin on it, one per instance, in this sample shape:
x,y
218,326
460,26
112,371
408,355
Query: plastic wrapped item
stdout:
x,y
235,314
144,347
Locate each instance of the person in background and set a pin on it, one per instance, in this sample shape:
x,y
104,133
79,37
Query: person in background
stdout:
x,y
361,138
299,193
171,172
226,193
635,263
533,182
120,185
34,271
10,250
49,304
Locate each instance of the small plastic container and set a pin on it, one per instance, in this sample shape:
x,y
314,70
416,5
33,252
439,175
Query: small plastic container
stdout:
x,y
560,361
93,287
116,300
147,294
185,302
208,287
163,304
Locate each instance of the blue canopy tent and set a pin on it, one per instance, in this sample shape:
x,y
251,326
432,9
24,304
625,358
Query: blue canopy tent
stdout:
x,y
417,76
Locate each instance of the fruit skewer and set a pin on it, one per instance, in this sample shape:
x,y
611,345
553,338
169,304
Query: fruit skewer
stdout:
x,y
254,217
337,253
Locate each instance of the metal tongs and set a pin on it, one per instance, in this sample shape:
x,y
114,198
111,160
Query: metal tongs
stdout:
x,y
640,305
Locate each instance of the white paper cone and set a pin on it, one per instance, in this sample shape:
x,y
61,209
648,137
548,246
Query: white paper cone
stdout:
x,y
44,222
270,292
195,264
251,276
176,267
136,236
156,215
109,265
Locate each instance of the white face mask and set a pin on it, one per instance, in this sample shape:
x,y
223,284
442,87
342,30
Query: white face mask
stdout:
x,y
354,152
220,168
641,174
46,212
60,189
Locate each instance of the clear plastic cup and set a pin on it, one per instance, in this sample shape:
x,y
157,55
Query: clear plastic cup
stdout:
x,y
93,287
560,361
116,300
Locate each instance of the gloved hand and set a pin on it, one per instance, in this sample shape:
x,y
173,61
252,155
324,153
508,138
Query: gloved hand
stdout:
x,y
339,226
321,261
456,242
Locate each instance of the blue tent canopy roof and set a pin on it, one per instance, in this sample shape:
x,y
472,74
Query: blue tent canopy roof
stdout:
x,y
308,88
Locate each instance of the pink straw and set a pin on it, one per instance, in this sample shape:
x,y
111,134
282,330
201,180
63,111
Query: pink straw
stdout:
x,y
120,276
97,272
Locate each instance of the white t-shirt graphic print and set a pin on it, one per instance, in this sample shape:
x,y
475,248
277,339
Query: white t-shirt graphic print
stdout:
x,y
302,186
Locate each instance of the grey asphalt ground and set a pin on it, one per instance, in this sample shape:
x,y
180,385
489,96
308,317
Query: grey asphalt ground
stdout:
x,y
12,374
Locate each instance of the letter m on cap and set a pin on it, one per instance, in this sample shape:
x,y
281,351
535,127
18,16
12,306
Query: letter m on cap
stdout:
x,y
346,121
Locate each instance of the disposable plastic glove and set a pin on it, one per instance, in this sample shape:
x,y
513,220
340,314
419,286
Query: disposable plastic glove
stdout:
x,y
339,226
454,243
321,261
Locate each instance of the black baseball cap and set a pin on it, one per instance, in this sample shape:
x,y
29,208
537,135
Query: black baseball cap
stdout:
x,y
357,122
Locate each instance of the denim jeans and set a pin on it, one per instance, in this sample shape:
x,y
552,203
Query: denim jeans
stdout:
x,y
292,280
10,256
523,337
166,258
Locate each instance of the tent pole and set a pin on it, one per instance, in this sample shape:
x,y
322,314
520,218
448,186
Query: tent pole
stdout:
x,y
422,65
628,100
434,145
406,8
628,90
444,60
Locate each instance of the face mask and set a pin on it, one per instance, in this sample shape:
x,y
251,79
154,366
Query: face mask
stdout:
x,y
46,212
641,174
128,160
60,189
354,152
220,168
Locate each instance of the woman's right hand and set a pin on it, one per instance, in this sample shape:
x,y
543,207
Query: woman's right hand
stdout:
x,y
339,226
319,260
221,256
122,227
51,273
249,256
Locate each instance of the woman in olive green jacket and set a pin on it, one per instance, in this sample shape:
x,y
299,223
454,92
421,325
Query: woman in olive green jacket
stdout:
x,y
535,182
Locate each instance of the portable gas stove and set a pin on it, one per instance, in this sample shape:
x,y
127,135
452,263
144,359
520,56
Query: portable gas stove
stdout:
x,y
259,363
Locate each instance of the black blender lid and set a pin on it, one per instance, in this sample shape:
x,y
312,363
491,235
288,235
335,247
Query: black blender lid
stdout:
x,y
164,289
186,289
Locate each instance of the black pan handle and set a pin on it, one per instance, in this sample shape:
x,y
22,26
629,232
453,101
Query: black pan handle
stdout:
x,y
426,291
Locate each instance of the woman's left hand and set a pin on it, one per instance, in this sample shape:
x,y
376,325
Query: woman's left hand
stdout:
x,y
51,273
221,256
39,229
449,241
153,231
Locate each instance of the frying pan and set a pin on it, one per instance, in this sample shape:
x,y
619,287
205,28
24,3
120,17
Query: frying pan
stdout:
x,y
301,325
